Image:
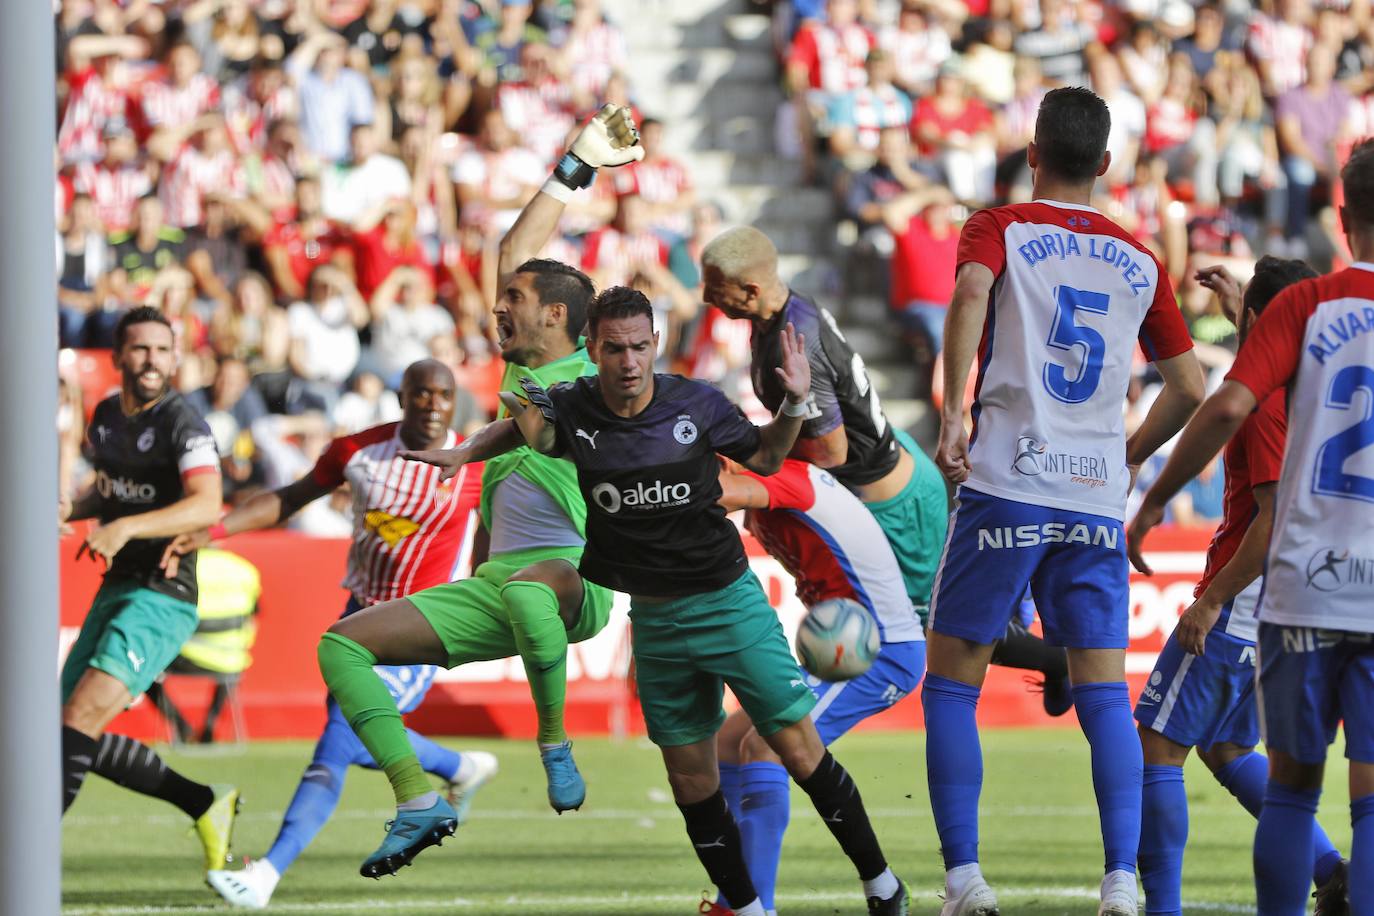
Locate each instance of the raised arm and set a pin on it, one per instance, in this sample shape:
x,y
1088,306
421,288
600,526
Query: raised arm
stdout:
x,y
777,437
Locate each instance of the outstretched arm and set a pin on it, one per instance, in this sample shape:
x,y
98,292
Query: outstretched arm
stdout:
x,y
777,438
262,511
740,491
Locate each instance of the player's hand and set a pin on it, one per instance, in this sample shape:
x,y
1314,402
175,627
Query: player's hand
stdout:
x,y
449,461
1195,624
610,138
951,454
795,371
1145,519
179,547
104,541
1227,288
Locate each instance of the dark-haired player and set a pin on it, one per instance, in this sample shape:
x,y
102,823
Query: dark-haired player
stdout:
x,y
157,476
1051,296
645,449
1315,643
527,598
1201,692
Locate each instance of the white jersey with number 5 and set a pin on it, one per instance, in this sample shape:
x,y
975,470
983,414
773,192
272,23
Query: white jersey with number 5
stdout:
x,y
1073,294
1317,338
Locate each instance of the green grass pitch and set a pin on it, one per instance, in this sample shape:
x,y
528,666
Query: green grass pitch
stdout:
x,y
625,851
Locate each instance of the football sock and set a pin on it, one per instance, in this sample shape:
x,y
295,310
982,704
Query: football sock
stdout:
x,y
316,797
1283,850
732,787
1020,648
1361,871
954,766
1245,778
434,758
764,811
419,802
542,641
1163,834
1104,714
371,712
715,836
883,886
135,766
838,803
78,753
957,878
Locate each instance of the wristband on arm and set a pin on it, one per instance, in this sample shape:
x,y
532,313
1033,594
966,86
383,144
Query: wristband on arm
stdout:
x,y
573,173
806,409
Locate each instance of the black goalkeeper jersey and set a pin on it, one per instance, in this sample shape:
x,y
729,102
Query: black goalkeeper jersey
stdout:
x,y
839,383
652,485
139,464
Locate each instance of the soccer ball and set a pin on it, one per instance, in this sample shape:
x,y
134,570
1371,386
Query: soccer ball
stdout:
x,y
837,640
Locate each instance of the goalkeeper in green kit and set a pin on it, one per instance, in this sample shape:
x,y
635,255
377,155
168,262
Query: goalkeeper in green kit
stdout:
x,y
527,599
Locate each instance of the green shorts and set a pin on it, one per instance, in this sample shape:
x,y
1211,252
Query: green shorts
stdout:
x,y
471,619
686,649
915,522
132,633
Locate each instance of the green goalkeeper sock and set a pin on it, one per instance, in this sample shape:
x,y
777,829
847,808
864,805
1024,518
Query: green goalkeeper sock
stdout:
x,y
371,712
542,641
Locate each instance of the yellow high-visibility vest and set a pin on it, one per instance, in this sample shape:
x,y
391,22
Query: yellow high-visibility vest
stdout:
x,y
229,588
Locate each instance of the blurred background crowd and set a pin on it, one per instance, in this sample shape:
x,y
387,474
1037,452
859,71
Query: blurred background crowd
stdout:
x,y
313,190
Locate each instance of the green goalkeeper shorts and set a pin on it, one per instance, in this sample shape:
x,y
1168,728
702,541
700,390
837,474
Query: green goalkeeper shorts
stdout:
x,y
915,522
687,649
471,620
132,633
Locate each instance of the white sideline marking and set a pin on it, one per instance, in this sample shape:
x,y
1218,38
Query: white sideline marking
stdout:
x,y
520,901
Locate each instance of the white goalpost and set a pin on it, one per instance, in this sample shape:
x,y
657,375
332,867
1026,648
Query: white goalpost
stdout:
x,y
30,774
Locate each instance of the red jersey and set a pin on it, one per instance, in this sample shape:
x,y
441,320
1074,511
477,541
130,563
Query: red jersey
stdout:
x,y
375,261
923,266
410,531
304,254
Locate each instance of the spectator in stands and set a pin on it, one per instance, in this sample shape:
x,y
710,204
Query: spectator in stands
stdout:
x,y
1058,43
1248,150
81,264
368,402
358,191
296,246
592,49
663,183
496,178
857,117
216,251
1181,135
233,40
989,62
1145,61
231,405
538,106
118,179
385,240
1211,45
892,176
250,328
500,47
145,248
333,97
415,101
1310,117
200,164
917,47
923,267
1278,42
324,336
612,255
826,60
181,95
404,319
1127,111
98,93
1016,130
957,130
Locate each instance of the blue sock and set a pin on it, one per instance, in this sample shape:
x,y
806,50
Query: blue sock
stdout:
x,y
954,766
1283,850
435,759
1104,714
1245,778
732,787
1163,834
1361,870
314,801
762,822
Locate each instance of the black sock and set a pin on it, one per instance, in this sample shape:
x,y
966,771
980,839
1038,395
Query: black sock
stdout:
x,y
715,835
136,766
838,803
78,753
1020,648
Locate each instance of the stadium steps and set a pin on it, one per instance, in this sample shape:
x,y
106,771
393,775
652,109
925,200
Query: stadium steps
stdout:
x,y
707,69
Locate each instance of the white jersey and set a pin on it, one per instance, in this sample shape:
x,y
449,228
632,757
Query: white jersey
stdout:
x,y
1073,294
1317,338
831,544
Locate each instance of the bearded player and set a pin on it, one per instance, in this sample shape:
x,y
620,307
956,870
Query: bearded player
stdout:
x,y
528,598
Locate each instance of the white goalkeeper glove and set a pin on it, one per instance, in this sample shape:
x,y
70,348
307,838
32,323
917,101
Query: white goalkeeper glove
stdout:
x,y
610,138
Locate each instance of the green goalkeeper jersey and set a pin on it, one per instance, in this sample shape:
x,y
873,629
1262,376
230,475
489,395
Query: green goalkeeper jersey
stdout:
x,y
557,476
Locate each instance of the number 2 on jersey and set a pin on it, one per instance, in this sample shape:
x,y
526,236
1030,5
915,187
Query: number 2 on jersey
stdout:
x,y
1330,478
1066,335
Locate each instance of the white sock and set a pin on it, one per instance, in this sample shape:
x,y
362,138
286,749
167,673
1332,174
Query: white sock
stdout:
x,y
883,886
428,800
465,769
754,908
957,878
549,747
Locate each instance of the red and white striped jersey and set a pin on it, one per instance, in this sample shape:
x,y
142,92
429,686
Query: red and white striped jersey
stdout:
x,y
165,105
192,175
614,256
662,181
92,103
593,55
1072,295
1283,46
834,58
114,191
410,531
918,54
1317,339
831,544
539,114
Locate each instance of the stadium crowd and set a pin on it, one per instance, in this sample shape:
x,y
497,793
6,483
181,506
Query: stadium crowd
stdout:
x,y
314,191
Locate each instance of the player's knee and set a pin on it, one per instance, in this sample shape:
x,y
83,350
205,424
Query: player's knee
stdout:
x,y
1294,774
754,749
1218,756
565,582
691,787
1159,750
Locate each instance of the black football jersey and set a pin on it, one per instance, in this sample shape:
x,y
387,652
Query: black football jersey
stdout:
x,y
139,463
840,384
652,485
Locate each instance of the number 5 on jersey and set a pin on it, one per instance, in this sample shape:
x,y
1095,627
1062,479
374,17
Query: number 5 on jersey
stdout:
x,y
1067,335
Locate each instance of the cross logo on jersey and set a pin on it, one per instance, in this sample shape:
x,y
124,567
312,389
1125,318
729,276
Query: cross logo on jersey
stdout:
x,y
388,527
1078,222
